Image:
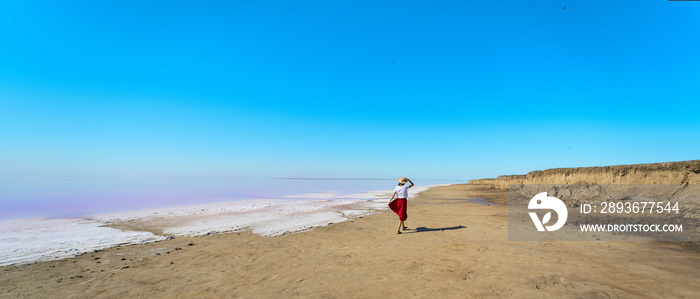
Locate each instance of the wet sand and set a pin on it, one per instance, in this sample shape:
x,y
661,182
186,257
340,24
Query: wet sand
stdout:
x,y
455,249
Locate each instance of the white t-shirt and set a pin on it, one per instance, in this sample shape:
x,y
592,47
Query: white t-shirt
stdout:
x,y
401,191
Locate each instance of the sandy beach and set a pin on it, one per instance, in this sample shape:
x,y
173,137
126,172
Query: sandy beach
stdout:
x,y
250,149
454,249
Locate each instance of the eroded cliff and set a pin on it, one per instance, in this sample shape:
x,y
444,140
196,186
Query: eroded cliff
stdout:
x,y
684,172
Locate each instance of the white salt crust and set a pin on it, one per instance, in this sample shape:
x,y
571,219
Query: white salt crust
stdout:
x,y
44,239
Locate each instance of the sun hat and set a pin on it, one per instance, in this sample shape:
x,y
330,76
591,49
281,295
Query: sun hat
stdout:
x,y
403,180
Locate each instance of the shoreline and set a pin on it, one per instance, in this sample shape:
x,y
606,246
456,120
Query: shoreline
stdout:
x,y
455,249
45,239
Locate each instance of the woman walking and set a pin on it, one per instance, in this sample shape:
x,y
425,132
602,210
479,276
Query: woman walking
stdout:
x,y
399,205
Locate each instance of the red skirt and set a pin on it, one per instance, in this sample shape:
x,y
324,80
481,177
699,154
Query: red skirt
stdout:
x,y
399,207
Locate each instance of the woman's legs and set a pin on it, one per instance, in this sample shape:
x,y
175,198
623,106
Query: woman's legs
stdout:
x,y
402,226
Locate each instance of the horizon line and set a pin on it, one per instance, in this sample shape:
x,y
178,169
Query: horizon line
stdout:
x,y
348,179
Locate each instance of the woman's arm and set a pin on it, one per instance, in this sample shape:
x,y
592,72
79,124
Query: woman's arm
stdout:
x,y
392,197
409,180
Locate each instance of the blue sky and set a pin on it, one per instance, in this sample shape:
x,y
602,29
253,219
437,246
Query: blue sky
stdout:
x,y
425,89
